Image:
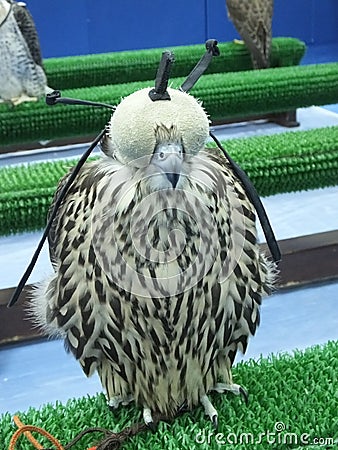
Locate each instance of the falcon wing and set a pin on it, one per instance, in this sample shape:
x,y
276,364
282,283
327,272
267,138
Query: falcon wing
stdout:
x,y
253,21
246,274
53,232
27,27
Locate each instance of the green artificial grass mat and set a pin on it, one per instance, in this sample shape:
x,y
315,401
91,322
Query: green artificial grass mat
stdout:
x,y
141,65
296,392
290,161
225,96
283,162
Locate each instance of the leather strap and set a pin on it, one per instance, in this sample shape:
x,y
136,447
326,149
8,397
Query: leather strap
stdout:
x,y
202,65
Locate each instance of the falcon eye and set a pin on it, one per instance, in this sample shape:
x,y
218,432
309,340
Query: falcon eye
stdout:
x,y
161,155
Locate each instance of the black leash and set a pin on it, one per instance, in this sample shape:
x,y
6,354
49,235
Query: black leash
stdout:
x,y
202,65
55,97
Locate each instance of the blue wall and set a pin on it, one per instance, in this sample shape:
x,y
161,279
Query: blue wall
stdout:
x,y
95,26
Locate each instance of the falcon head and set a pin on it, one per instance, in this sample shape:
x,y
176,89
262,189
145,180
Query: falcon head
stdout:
x,y
157,135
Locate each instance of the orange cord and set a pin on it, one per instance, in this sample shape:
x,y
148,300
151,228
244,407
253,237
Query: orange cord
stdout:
x,y
26,430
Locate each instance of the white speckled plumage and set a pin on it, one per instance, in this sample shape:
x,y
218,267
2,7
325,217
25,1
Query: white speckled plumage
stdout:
x,y
21,77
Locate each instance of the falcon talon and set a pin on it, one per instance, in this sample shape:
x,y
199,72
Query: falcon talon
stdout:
x,y
128,399
214,420
233,388
244,394
209,409
183,408
152,427
118,400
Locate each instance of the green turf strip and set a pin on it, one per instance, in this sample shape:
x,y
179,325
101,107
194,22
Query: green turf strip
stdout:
x,y
298,391
225,96
140,65
286,162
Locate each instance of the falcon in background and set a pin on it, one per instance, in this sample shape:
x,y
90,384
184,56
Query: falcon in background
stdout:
x,y
22,77
253,21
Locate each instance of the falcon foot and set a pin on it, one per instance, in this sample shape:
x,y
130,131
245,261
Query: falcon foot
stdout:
x,y
148,420
234,388
210,410
118,400
23,98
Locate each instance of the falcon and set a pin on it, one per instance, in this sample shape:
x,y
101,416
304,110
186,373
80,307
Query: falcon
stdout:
x,y
22,77
158,277
253,21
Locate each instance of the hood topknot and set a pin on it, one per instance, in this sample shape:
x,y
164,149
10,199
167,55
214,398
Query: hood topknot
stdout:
x,y
132,128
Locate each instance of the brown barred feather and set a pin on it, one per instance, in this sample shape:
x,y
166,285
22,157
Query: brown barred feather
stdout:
x,y
253,21
166,335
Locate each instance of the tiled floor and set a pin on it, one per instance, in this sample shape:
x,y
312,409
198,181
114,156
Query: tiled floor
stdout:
x,y
36,373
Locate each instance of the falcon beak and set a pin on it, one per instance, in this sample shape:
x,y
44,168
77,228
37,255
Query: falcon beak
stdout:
x,y
173,177
169,159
